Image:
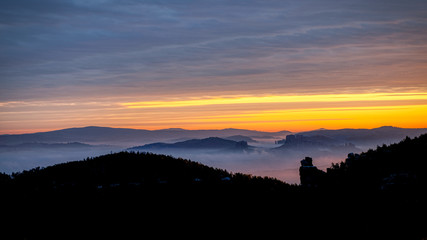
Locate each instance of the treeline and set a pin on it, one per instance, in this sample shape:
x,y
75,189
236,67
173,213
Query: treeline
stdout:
x,y
132,171
144,191
398,167
383,192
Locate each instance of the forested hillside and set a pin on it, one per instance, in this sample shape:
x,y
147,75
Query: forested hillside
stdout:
x,y
130,171
400,166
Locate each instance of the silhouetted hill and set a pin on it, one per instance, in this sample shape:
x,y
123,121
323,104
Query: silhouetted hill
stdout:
x,y
126,170
385,188
401,165
198,144
94,197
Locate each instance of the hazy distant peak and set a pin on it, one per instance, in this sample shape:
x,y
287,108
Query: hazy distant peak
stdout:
x,y
94,127
387,127
87,127
174,129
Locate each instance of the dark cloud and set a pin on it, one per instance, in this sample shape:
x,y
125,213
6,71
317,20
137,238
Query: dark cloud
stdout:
x,y
54,44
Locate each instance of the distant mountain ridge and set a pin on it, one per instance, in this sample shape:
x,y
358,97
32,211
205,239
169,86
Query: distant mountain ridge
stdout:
x,y
379,136
131,137
46,145
126,136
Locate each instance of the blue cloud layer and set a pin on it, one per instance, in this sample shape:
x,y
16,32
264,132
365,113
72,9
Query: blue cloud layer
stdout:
x,y
145,47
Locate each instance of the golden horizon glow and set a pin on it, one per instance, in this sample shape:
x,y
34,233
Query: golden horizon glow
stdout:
x,y
278,99
264,113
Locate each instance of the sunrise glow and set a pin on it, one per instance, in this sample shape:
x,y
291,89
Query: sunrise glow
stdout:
x,y
267,113
364,97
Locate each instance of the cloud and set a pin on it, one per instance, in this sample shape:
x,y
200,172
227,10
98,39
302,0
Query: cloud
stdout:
x,y
208,46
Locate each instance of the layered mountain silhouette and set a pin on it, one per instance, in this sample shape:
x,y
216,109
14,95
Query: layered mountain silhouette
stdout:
x,y
126,137
377,194
261,156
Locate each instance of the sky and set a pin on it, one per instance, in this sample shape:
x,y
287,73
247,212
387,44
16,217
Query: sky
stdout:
x,y
212,64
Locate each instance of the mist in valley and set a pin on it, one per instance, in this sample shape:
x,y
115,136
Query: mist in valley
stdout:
x,y
283,165
262,153
260,160
13,159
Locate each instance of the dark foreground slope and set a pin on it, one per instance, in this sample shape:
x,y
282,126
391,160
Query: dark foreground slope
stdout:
x,y
380,194
135,173
398,167
384,189
135,193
